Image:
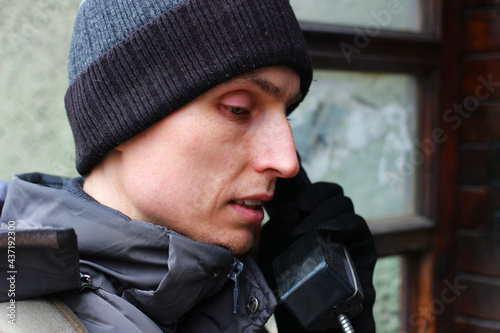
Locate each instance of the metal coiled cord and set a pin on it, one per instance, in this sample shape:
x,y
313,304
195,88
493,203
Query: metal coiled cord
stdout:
x,y
345,324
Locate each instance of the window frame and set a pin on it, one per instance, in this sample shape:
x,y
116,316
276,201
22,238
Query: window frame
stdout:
x,y
416,54
393,52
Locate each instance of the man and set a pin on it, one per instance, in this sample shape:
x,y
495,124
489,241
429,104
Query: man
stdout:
x,y
179,114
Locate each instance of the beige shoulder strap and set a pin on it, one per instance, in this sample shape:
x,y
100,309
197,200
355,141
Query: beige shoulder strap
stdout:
x,y
44,314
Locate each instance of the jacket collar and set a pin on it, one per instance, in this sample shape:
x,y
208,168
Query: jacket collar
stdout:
x,y
146,264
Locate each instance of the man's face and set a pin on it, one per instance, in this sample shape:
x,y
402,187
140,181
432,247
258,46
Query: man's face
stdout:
x,y
206,169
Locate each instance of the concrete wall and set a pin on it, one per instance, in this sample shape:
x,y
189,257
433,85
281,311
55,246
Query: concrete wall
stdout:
x,y
34,133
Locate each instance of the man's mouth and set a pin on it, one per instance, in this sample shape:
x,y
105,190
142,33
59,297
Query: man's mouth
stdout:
x,y
250,204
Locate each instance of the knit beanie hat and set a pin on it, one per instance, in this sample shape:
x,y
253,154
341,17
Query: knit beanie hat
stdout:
x,y
133,62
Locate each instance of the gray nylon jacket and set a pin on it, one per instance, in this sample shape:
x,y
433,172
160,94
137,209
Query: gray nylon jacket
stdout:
x,y
137,277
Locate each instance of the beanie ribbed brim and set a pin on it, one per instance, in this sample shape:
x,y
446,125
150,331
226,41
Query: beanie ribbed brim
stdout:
x,y
173,59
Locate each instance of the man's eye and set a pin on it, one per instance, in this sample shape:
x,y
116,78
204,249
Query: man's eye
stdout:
x,y
236,109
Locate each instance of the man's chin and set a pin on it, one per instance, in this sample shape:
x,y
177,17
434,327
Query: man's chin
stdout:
x,y
239,245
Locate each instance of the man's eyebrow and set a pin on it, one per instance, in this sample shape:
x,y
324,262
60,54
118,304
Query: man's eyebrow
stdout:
x,y
270,88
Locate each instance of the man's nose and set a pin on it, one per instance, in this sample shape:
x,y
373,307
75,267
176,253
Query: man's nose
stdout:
x,y
277,148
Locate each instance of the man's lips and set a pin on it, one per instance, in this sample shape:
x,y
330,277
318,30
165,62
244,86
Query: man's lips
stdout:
x,y
250,203
251,208
255,201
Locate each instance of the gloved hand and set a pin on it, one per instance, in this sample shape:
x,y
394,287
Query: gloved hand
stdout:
x,y
320,206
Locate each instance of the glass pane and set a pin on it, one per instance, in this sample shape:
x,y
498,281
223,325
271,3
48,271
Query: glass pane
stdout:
x,y
373,15
387,282
358,129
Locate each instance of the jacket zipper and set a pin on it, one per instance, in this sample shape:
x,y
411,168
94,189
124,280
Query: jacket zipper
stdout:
x,y
87,282
234,273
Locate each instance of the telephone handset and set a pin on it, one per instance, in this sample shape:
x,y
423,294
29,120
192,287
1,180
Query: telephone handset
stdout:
x,y
316,279
317,282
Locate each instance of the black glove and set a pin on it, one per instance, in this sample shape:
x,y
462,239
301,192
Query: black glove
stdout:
x,y
320,206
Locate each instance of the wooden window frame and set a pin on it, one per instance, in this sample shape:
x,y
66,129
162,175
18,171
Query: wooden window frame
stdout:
x,y
416,54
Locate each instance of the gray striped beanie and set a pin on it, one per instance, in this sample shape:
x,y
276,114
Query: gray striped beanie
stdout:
x,y
133,62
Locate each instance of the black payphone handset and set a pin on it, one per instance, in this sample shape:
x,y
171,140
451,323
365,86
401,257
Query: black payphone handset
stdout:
x,y
316,279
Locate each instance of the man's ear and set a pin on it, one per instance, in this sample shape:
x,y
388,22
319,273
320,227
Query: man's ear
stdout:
x,y
119,148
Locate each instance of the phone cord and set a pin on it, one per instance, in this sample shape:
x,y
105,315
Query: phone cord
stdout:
x,y
345,324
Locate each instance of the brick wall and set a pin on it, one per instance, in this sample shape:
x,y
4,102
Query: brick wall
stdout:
x,y
477,229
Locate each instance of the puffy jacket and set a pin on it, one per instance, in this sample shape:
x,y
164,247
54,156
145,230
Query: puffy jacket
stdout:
x,y
123,275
